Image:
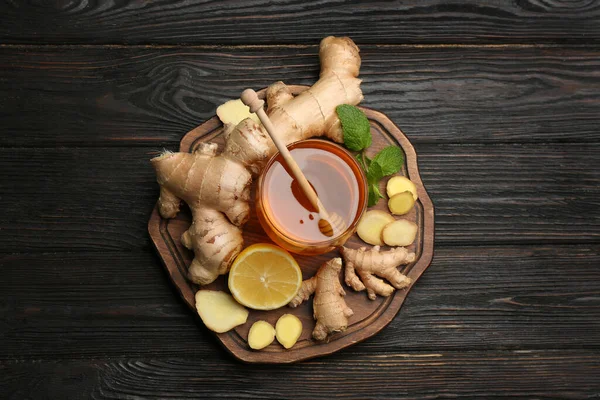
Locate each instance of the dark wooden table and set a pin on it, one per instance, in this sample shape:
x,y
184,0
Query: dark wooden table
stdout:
x,y
500,98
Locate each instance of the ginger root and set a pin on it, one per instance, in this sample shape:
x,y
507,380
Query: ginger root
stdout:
x,y
216,187
219,311
369,264
217,190
329,308
261,335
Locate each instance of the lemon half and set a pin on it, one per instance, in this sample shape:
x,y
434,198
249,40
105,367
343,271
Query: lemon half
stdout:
x,y
264,277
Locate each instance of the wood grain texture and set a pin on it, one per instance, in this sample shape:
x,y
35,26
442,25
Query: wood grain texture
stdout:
x,y
289,22
74,199
420,375
87,309
115,304
98,199
520,192
124,96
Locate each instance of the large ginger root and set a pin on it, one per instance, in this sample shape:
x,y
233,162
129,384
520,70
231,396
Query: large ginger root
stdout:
x,y
369,264
217,190
311,113
329,308
216,187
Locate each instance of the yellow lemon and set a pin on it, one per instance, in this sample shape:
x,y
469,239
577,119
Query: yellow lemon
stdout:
x,y
264,277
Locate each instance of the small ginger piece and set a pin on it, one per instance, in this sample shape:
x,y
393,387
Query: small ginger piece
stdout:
x,y
401,203
400,233
374,263
329,308
261,335
219,311
288,329
399,184
371,225
235,111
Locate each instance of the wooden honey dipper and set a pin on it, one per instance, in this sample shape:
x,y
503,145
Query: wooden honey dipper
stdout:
x,y
328,223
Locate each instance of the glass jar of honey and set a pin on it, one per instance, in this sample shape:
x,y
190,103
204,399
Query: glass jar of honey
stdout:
x,y
288,217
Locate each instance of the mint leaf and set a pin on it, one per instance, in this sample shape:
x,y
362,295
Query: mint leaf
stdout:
x,y
363,160
374,194
355,126
374,173
357,137
367,160
390,160
360,160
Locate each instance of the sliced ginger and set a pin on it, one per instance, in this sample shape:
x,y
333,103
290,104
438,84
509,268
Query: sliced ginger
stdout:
x,y
399,184
235,111
219,311
288,329
401,203
399,233
261,335
371,225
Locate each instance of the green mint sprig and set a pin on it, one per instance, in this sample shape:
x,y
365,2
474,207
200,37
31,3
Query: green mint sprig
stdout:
x,y
355,126
357,137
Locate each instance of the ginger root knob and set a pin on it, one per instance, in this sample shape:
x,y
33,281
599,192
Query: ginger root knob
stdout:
x,y
329,308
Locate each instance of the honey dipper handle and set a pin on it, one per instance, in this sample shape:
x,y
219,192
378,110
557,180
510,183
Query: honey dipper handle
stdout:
x,y
250,98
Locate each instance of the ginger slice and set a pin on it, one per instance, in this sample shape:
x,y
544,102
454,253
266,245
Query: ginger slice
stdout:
x,y
235,111
371,225
374,263
288,329
261,335
400,233
401,203
399,184
219,311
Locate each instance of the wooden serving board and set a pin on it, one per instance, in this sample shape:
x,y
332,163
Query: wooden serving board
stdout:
x,y
369,316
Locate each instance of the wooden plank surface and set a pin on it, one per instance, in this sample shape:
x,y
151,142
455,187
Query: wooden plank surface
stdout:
x,y
99,305
502,102
98,199
277,22
422,375
117,96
